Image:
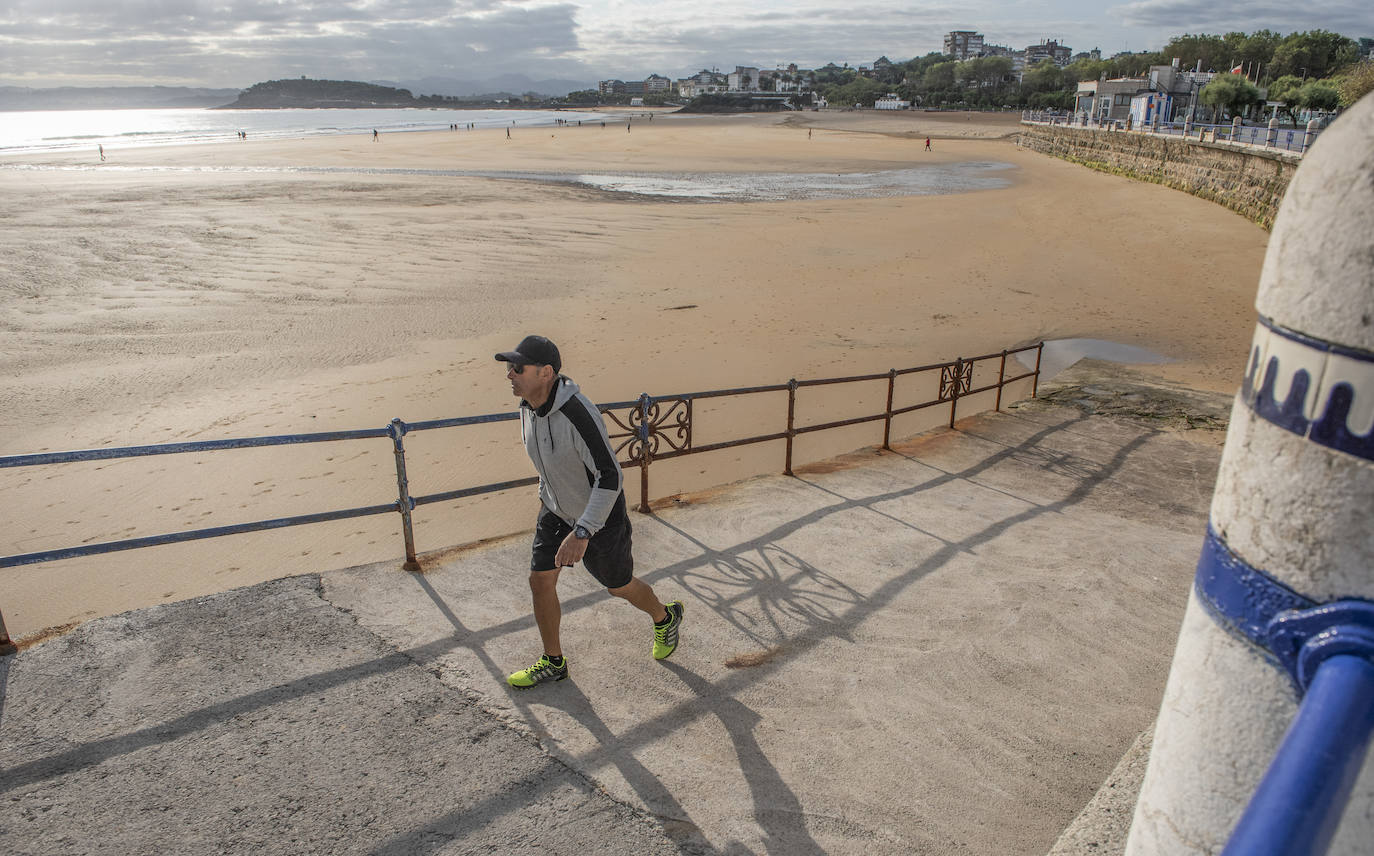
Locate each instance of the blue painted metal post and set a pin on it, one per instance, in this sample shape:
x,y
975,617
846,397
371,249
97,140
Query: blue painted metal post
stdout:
x,y
404,503
1298,805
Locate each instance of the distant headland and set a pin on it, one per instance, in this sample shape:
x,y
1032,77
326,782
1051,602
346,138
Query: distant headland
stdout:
x,y
306,93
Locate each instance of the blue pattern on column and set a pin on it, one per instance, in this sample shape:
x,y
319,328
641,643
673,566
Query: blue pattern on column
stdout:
x,y
1345,380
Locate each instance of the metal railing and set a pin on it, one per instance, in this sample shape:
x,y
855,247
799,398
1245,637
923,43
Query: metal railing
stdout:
x,y
648,429
1328,652
1296,140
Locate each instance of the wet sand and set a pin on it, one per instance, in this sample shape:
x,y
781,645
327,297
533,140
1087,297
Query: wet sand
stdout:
x,y
160,296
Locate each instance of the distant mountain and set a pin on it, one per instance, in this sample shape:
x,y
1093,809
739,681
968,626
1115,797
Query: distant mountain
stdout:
x,y
503,84
111,97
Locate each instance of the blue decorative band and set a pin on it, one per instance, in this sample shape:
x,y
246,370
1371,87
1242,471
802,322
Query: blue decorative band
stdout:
x,y
1239,597
1318,390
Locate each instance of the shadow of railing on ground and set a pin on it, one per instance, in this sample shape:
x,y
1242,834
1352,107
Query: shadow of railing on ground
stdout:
x,y
710,698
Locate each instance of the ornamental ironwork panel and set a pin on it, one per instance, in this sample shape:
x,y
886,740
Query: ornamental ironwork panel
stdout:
x,y
652,427
956,380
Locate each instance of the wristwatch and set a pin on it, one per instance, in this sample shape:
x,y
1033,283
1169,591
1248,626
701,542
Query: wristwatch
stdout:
x,y
581,532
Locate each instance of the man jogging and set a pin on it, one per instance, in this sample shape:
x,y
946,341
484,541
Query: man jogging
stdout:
x,y
582,513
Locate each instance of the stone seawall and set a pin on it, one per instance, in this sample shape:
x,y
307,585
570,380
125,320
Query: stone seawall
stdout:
x,y
1249,182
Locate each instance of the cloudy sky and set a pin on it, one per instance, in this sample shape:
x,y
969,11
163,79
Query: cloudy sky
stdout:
x,y
234,43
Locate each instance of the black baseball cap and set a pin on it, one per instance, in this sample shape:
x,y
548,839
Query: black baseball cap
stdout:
x,y
534,351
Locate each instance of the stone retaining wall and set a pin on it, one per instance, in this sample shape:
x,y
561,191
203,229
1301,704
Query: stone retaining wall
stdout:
x,y
1247,181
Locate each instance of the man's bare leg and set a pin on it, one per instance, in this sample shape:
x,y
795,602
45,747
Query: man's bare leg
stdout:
x,y
639,593
548,612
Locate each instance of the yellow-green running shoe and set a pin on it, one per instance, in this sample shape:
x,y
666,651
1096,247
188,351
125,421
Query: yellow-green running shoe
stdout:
x,y
539,673
665,634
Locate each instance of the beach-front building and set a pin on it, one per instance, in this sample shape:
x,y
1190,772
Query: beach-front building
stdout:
x,y
1175,92
704,82
1108,100
890,101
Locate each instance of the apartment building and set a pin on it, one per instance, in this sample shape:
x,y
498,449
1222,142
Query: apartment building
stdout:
x,y
1048,49
964,44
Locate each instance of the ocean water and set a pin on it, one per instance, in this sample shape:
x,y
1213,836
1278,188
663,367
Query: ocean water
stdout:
x,y
684,187
36,132
1059,354
27,132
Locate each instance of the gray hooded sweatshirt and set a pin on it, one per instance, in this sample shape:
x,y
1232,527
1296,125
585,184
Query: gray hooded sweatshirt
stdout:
x,y
579,477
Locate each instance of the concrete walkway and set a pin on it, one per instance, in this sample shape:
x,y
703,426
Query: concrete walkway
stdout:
x,y
942,649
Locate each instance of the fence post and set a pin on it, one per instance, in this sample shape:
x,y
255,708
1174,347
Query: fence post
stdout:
x,y
1001,375
6,646
404,503
954,388
644,454
1313,126
791,416
1035,380
887,421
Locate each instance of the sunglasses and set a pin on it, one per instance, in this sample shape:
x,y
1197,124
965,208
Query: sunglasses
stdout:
x,y
516,368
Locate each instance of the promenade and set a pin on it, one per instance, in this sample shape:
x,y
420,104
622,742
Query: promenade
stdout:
x,y
941,649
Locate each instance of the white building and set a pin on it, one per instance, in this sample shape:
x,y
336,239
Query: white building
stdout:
x,y
890,101
743,79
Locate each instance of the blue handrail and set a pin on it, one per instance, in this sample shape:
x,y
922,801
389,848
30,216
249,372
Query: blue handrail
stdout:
x,y
1297,807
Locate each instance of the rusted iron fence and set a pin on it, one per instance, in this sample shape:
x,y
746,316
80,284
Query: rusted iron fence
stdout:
x,y
648,429
659,428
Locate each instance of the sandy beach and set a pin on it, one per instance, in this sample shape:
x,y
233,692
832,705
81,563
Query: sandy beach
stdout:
x,y
212,291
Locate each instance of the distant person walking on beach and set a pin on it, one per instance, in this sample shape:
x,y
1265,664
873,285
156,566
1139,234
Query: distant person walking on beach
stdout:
x,y
374,135
582,513
928,144
101,146
508,133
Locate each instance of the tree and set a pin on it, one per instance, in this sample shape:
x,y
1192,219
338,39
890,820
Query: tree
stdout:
x,y
1212,50
1285,90
1135,65
1313,54
984,72
916,68
1230,92
1044,76
939,76
1356,83
1257,48
1319,95
859,91
1086,69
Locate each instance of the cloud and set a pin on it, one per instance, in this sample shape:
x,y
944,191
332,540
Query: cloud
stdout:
x,y
234,43
1217,17
244,41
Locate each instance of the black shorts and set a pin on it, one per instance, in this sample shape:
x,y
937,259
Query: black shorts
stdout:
x,y
608,556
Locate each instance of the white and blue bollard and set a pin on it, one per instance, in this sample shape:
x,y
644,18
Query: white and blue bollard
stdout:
x,y
1261,742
